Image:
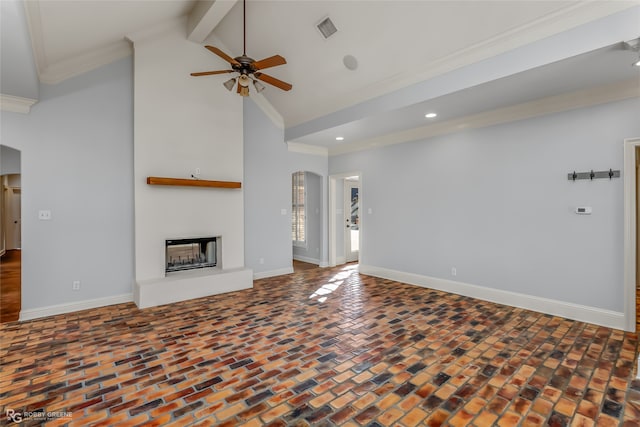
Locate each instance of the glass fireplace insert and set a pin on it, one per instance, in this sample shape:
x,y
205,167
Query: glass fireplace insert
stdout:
x,y
189,254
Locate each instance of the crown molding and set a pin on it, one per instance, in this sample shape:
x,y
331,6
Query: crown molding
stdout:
x,y
173,24
297,147
62,70
554,104
55,73
268,109
34,24
564,19
205,17
16,104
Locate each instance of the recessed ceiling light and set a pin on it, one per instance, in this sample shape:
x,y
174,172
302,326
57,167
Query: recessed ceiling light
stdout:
x,y
430,115
339,138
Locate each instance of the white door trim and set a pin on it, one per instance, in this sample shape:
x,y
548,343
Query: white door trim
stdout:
x,y
349,254
333,204
630,231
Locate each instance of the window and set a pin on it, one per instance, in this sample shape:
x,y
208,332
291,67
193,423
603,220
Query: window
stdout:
x,y
298,209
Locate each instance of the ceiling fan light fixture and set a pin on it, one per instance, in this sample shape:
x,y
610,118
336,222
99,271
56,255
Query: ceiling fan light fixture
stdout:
x,y
244,91
229,84
244,80
259,86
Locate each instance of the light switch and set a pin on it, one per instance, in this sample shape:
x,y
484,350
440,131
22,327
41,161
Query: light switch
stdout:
x,y
370,211
44,215
583,210
283,211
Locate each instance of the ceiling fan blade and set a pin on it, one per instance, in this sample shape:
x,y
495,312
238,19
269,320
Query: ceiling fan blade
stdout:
x,y
238,90
223,55
273,81
272,61
209,73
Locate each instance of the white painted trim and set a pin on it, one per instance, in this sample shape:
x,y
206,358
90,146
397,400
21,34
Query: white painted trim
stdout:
x,y
554,104
333,261
297,147
52,310
341,260
272,273
62,70
267,108
564,19
205,17
34,23
323,264
190,284
16,104
150,33
608,318
630,231
306,259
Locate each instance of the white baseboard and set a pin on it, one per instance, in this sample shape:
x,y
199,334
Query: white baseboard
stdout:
x,y
598,316
323,264
272,273
341,260
307,259
36,313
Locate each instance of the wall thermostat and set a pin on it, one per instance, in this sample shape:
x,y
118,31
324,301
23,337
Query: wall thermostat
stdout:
x,y
583,210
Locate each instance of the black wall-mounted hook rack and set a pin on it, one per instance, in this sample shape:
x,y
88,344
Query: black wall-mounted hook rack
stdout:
x,y
591,175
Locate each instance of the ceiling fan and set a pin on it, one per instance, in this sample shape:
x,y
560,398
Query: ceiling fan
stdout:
x,y
248,68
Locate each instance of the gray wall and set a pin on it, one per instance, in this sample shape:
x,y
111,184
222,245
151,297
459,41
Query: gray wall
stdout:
x,y
268,166
9,160
496,204
267,190
313,251
77,161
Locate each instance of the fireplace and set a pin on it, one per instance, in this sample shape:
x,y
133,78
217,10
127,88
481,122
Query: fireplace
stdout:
x,y
189,254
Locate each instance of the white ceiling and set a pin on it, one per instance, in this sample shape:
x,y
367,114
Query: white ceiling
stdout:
x,y
597,68
397,44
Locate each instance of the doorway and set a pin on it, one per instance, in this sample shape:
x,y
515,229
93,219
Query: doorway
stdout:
x,y
12,206
10,234
637,179
342,225
352,218
631,235
306,219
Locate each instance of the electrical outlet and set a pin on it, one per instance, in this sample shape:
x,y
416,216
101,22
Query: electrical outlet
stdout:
x,y
454,271
76,285
44,215
197,171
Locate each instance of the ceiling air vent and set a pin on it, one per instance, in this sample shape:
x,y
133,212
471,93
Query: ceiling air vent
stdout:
x,y
326,28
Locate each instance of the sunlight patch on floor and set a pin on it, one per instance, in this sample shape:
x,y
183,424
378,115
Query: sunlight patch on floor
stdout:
x,y
334,283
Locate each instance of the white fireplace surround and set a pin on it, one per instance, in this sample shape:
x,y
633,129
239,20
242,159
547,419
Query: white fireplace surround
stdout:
x,y
194,283
189,284
169,142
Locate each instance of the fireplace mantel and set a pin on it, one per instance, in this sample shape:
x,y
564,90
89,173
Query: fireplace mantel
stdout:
x,y
155,180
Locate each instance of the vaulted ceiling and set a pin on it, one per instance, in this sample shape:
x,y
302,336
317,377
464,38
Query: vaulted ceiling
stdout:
x,y
399,46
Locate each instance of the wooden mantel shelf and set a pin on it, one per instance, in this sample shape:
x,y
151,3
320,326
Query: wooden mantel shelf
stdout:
x,y
155,180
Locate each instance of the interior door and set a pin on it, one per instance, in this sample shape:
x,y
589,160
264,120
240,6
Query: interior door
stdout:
x,y
352,219
13,218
